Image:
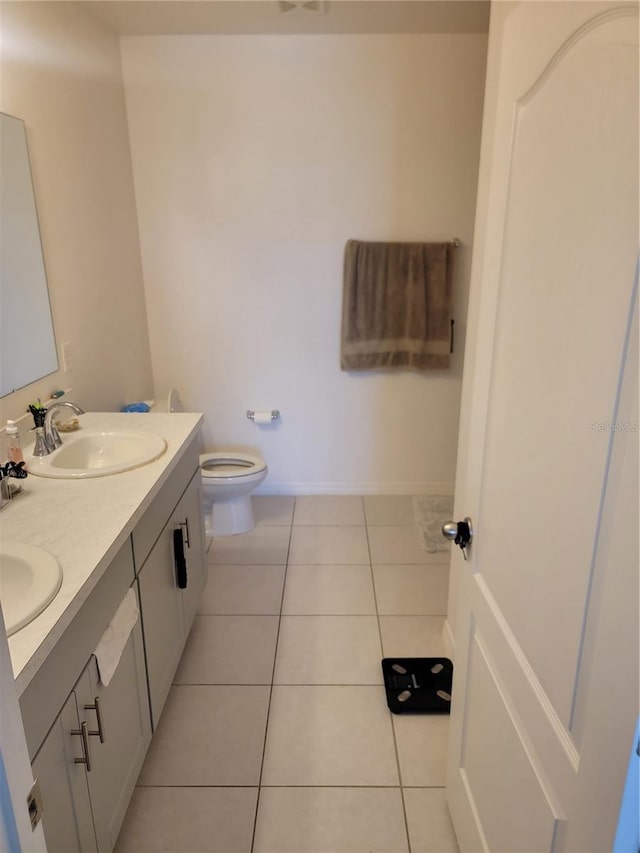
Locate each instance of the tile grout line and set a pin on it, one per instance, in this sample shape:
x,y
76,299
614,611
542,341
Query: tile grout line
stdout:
x,y
394,615
357,787
393,731
273,675
272,684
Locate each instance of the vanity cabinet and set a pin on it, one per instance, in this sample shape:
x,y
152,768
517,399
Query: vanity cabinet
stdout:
x,y
87,741
171,581
89,762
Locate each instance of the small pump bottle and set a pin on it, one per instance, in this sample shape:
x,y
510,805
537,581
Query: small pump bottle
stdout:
x,y
14,451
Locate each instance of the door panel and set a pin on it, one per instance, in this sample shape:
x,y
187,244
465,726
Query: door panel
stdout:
x,y
513,799
607,694
550,376
552,289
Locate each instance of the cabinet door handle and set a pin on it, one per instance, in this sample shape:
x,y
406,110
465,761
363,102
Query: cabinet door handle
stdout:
x,y
83,734
181,563
185,524
96,707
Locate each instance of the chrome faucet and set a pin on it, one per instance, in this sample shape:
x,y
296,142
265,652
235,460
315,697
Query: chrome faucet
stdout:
x,y
51,435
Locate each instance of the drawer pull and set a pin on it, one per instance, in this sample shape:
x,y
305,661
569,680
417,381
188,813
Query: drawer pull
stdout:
x,y
185,524
97,708
83,734
181,563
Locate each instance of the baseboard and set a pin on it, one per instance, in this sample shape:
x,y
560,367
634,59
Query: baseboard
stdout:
x,y
449,640
429,488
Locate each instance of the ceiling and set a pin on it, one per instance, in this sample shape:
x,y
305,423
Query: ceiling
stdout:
x,y
196,17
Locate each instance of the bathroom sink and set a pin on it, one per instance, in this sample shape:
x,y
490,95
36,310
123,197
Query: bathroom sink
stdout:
x,y
97,454
29,580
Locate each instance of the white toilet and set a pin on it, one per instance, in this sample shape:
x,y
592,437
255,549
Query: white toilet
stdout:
x,y
228,478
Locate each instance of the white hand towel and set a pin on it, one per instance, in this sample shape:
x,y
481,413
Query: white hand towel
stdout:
x,y
109,650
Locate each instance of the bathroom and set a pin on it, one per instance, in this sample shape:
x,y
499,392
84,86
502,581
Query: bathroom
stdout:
x,y
241,258
195,191
303,143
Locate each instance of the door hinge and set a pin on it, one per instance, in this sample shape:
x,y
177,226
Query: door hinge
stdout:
x,y
34,804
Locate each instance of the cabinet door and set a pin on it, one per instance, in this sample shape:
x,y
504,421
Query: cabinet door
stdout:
x,y
120,731
66,819
188,516
168,610
162,620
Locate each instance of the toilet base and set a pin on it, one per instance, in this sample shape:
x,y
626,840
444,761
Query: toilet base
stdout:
x,y
229,517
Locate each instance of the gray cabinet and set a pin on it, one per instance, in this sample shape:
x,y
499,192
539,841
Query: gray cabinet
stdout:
x,y
86,779
171,581
123,709
163,617
67,819
89,762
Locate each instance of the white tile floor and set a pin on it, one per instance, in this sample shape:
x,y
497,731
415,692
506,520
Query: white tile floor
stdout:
x,y
276,737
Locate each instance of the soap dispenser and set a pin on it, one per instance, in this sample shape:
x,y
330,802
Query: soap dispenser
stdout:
x,y
14,450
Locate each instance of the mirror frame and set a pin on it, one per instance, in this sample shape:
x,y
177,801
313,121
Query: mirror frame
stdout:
x,y
28,349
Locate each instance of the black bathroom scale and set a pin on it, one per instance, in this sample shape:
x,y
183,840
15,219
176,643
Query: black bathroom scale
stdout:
x,y
418,685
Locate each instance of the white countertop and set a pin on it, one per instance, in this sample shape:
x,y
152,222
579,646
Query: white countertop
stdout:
x,y
84,523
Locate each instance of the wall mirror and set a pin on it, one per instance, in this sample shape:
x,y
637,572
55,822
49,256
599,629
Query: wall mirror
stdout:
x,y
27,342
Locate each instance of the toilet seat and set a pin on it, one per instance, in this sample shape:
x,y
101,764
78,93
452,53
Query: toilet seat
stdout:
x,y
225,466
228,478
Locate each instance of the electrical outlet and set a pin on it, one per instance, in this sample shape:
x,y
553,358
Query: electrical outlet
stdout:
x,y
65,354
34,805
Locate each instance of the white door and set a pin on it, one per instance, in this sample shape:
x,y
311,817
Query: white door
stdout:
x,y
544,613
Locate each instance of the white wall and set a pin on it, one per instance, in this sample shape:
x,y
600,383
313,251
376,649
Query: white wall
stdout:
x,y
255,158
61,74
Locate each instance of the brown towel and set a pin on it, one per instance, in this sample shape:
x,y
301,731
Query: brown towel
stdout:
x,y
396,305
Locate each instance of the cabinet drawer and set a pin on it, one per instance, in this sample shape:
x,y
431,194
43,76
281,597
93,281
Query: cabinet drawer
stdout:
x,y
47,693
153,521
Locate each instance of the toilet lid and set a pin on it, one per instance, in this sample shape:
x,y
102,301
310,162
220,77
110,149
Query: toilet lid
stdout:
x,y
230,465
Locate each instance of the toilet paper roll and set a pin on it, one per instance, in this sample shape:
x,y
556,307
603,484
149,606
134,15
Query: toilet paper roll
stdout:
x,y
263,417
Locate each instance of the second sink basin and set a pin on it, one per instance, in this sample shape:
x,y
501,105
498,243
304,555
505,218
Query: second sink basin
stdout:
x,y
98,454
29,580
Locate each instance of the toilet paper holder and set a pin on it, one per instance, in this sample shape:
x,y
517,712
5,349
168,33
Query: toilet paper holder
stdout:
x,y
275,414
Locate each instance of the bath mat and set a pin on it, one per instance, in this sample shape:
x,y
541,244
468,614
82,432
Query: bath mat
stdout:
x,y
430,513
418,685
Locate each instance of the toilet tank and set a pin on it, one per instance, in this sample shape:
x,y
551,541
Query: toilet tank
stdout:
x,y
169,402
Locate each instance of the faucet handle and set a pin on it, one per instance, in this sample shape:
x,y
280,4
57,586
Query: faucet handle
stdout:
x,y
40,447
52,437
